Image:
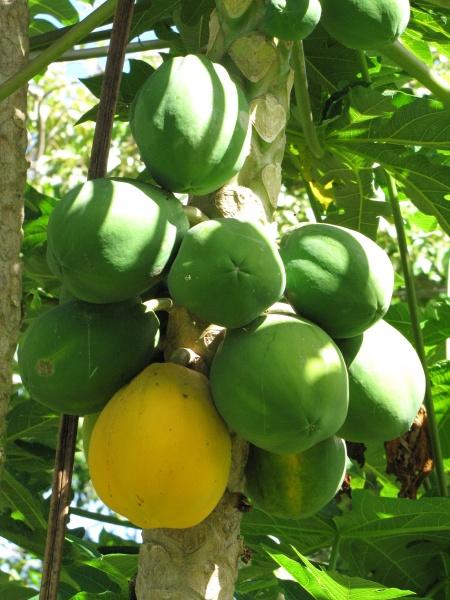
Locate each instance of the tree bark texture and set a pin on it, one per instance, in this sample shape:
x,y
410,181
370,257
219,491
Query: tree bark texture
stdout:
x,y
201,563
13,166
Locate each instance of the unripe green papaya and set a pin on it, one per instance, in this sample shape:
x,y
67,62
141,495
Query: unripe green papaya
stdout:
x,y
280,383
191,124
108,238
365,24
386,385
291,19
336,277
74,357
295,486
227,272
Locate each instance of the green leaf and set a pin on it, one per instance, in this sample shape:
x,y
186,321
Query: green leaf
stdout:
x,y
395,541
426,183
330,585
62,10
91,579
440,389
307,534
194,10
13,590
155,11
18,498
420,122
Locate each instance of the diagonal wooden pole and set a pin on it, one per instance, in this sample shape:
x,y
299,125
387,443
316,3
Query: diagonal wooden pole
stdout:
x,y
62,477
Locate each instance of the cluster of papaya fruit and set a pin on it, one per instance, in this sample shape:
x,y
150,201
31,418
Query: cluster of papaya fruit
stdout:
x,y
292,379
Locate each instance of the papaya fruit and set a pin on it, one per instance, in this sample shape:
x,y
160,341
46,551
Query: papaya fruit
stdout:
x,y
365,24
386,384
159,453
192,138
291,19
280,383
295,486
336,277
75,356
226,272
108,238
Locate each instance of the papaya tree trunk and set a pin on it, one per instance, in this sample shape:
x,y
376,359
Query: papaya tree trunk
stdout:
x,y
202,562
13,166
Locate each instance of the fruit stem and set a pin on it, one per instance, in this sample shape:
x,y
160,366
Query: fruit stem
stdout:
x,y
194,215
156,304
417,332
304,111
365,74
409,62
50,54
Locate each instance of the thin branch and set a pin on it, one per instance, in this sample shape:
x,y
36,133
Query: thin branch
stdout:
x,y
110,89
67,41
365,74
59,507
60,501
417,332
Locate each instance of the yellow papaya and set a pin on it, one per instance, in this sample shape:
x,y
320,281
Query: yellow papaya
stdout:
x,y
159,452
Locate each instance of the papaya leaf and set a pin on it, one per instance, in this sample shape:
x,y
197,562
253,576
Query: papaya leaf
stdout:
x,y
330,585
38,26
425,183
154,12
193,11
13,590
420,122
440,389
62,10
97,596
90,579
194,35
395,541
308,534
21,501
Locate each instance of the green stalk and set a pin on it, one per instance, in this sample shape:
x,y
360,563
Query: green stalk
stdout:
x,y
157,304
409,62
99,51
364,67
53,52
417,332
303,101
334,554
87,514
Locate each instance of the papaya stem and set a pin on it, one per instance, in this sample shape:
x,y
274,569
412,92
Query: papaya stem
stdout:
x,y
67,41
156,304
417,332
365,74
194,215
409,62
304,111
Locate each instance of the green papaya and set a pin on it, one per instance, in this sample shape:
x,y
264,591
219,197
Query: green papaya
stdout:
x,y
108,238
227,272
280,383
295,486
191,125
365,24
291,19
386,385
336,277
74,357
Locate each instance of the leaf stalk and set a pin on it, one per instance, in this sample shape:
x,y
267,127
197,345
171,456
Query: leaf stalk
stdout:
x,y
417,332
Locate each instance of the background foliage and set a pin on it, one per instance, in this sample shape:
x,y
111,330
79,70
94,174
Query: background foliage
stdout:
x,y
377,545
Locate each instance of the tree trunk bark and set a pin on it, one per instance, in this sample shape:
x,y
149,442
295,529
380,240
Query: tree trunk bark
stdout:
x,y
201,563
13,166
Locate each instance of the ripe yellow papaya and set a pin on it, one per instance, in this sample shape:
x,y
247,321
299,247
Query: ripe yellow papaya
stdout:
x,y
159,453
